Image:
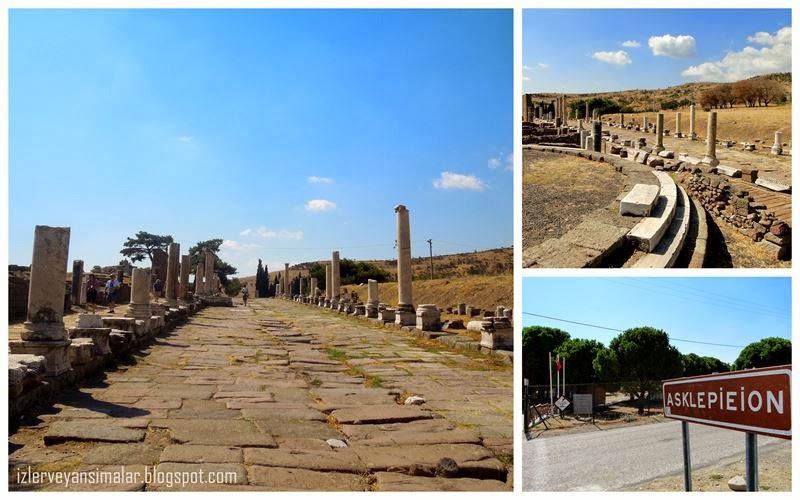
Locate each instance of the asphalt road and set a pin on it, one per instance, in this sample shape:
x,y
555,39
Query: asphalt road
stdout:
x,y
615,459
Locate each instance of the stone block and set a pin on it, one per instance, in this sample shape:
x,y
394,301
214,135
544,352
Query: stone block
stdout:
x,y
729,171
81,351
639,201
428,318
55,353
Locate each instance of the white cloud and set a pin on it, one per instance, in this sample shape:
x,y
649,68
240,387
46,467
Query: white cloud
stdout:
x,y
632,44
281,234
320,205
619,58
450,180
236,246
506,162
676,47
775,56
526,78
320,180
185,138
543,65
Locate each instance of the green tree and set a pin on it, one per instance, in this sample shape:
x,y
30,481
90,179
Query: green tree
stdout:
x,y
770,351
143,244
580,355
702,365
537,341
643,357
222,268
352,272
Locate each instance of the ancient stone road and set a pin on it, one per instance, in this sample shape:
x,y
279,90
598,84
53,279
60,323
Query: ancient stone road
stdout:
x,y
265,398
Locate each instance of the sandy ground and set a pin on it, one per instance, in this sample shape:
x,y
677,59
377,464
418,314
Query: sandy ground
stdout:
x,y
558,191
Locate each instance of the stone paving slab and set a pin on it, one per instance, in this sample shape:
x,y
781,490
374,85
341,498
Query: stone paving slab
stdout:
x,y
392,481
224,391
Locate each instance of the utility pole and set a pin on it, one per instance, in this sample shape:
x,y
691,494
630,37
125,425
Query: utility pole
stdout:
x,y
430,247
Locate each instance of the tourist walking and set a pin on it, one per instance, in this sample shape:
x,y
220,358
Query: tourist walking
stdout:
x,y
112,287
158,287
245,294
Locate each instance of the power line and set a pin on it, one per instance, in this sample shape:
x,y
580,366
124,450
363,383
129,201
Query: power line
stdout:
x,y
715,303
620,330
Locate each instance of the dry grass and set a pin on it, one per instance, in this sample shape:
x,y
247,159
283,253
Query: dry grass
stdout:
x,y
485,292
739,124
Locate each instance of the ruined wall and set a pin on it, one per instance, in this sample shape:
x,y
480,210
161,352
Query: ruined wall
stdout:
x,y
735,206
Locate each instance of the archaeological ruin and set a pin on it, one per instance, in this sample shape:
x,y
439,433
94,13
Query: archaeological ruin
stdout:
x,y
274,394
675,193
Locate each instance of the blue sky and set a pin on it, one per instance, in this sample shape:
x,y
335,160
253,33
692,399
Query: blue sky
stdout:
x,y
577,51
734,311
286,133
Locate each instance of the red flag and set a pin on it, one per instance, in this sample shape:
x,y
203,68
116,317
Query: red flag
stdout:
x,y
558,365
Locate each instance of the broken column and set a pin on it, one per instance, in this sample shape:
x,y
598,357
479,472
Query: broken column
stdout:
x,y
586,115
659,147
644,123
77,279
335,280
405,305
497,333
597,134
209,270
428,318
172,275
371,310
692,131
711,140
139,308
186,268
199,273
314,291
44,333
777,145
678,133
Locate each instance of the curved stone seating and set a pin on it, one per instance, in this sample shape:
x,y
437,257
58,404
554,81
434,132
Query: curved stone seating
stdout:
x,y
639,200
648,232
669,248
701,240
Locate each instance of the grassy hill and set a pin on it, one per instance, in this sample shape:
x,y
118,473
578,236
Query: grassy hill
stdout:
x,y
482,279
648,99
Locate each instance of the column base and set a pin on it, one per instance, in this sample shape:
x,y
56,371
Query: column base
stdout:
x,y
44,331
55,352
707,160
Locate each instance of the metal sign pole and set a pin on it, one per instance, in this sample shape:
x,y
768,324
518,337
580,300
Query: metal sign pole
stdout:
x,y
550,366
525,405
687,458
751,461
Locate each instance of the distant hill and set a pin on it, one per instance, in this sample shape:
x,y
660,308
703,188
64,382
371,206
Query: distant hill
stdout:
x,y
648,99
494,262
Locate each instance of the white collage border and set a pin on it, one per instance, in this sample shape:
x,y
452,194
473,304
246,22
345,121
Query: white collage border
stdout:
x,y
519,273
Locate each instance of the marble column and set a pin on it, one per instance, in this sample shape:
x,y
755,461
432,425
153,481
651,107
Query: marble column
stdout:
x,y
644,123
622,120
314,290
186,269
586,114
84,287
44,333
139,307
287,288
777,145
300,285
711,140
692,131
372,299
678,133
328,280
199,274
405,303
659,133
336,278
77,279
172,274
209,270
597,135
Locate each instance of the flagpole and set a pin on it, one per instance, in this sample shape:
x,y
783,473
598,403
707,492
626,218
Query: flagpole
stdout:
x,y
550,367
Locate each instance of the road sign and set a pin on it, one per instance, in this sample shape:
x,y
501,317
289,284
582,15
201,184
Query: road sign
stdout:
x,y
755,401
562,403
583,404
